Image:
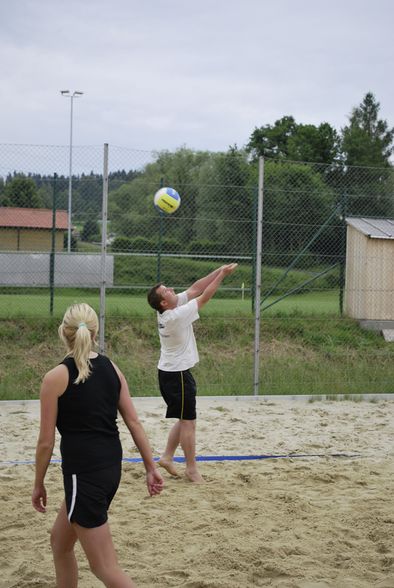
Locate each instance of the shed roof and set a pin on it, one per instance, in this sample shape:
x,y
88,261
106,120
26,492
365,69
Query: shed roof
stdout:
x,y
375,228
32,218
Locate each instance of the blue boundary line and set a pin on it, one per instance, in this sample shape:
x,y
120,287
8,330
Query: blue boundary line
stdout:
x,y
215,458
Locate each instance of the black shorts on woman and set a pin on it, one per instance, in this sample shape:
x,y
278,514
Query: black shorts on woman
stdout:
x,y
179,390
88,495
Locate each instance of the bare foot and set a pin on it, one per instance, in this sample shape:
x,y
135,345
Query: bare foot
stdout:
x,y
168,465
194,476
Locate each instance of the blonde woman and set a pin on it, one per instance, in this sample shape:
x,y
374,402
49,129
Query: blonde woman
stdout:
x,y
81,397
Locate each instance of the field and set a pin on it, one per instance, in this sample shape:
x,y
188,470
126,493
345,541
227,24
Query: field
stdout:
x,y
305,347
35,303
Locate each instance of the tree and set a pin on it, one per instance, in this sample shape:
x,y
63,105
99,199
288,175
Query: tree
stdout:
x,y
90,231
296,203
87,196
4,200
182,169
288,140
22,192
272,141
367,144
224,203
314,144
367,140
131,209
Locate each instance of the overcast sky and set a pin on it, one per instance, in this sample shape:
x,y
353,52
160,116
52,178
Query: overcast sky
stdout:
x,y
160,74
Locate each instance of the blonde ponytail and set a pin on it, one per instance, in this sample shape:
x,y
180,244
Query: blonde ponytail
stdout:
x,y
78,332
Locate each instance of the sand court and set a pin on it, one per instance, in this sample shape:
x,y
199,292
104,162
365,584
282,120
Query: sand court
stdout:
x,y
319,521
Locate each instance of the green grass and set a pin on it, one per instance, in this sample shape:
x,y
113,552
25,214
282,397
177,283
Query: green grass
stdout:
x,y
304,348
36,303
179,272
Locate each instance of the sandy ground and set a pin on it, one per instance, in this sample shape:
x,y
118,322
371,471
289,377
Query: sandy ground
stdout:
x,y
308,522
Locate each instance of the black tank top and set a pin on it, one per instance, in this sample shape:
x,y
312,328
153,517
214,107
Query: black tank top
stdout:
x,y
87,418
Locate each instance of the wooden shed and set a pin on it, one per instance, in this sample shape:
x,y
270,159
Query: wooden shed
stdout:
x,y
369,289
30,229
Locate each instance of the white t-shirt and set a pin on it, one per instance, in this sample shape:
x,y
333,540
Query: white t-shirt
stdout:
x,y
178,344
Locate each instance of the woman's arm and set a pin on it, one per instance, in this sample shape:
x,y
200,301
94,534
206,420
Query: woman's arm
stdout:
x,y
53,385
129,414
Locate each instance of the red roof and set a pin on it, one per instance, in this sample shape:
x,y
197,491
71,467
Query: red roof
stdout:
x,y
32,218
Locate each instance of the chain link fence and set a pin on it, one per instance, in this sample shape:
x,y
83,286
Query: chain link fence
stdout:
x,y
53,243
306,212
214,224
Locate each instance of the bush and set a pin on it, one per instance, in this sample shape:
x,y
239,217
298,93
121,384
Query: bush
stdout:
x,y
135,245
121,245
142,245
170,245
206,247
91,231
73,244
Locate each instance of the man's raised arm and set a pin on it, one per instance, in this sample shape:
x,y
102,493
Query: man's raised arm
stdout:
x,y
199,286
214,284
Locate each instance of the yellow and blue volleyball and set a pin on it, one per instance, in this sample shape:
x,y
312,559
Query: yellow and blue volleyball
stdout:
x,y
167,200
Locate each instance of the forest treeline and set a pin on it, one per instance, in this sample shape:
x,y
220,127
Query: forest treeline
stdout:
x,y
314,176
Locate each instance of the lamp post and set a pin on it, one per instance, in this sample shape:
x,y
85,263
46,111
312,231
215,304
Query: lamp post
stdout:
x,y
71,95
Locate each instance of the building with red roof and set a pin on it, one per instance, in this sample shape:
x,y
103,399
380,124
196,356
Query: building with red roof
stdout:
x,y
30,229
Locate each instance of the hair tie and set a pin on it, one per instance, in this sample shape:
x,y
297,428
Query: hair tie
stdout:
x,y
81,325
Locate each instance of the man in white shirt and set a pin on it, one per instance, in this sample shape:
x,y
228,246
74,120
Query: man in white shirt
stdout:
x,y
176,314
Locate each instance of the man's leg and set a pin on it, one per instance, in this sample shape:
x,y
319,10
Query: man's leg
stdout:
x,y
166,460
188,444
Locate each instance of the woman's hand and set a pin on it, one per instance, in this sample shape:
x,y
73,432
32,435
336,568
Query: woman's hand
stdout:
x,y
39,498
154,481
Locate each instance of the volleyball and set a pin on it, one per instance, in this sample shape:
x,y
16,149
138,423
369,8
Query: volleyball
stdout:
x,y
167,200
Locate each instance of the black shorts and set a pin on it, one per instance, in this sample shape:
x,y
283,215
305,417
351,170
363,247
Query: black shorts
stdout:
x,y
179,392
88,495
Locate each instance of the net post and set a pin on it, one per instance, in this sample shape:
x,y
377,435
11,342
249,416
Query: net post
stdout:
x,y
257,293
103,251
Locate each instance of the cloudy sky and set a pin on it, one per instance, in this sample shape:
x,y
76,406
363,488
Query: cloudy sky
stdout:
x,y
160,74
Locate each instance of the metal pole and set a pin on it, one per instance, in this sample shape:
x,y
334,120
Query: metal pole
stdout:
x,y
71,95
257,293
70,171
255,204
103,251
342,253
53,248
159,244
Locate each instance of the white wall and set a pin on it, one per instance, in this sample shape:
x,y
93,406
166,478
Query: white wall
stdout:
x,y
71,269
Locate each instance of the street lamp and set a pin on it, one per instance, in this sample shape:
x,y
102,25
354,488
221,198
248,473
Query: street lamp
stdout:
x,y
71,95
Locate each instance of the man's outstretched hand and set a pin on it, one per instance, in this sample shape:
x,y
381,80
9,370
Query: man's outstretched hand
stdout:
x,y
229,268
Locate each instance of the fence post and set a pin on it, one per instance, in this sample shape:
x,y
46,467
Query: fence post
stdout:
x,y
254,242
159,244
257,292
342,254
53,249
103,251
